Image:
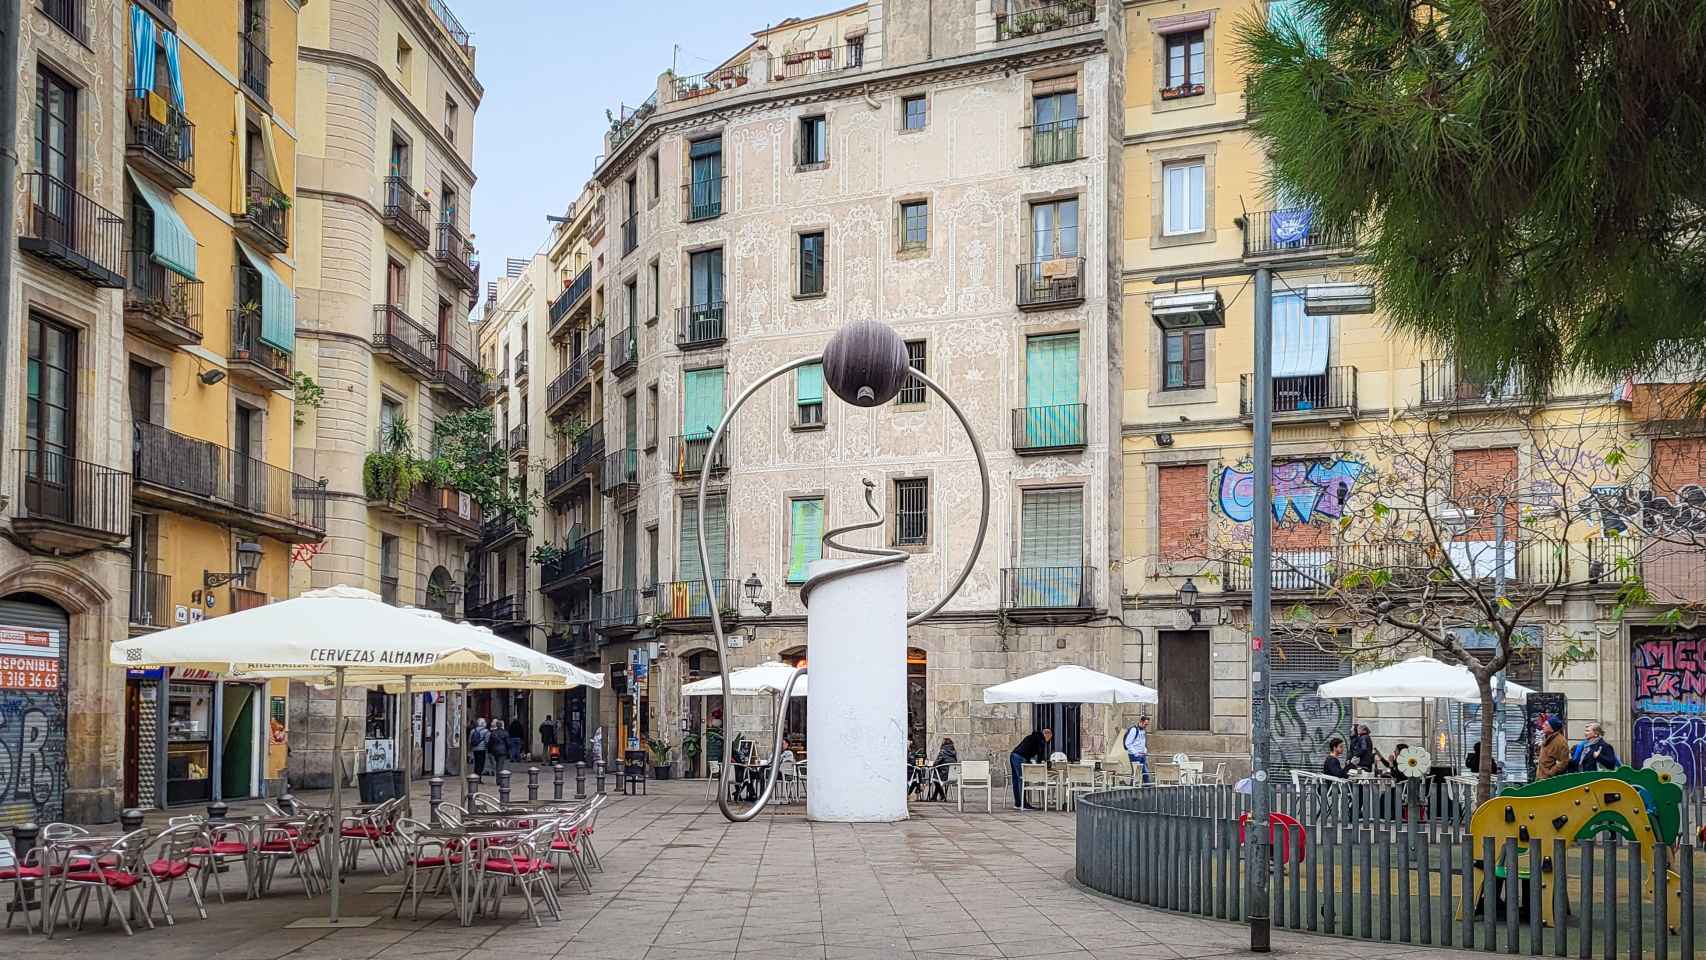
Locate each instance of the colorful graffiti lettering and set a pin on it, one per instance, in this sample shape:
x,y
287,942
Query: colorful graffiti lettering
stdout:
x,y
1669,675
32,759
1304,491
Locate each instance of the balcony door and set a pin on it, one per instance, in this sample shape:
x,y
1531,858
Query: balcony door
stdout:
x,y
248,485
687,597
56,158
50,418
707,190
630,550
706,315
1051,549
1053,416
701,403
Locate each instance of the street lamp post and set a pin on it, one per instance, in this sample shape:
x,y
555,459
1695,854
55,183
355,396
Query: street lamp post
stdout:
x,y
1261,585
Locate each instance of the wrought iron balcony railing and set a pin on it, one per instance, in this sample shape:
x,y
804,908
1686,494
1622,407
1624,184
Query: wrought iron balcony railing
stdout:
x,y
1331,392
687,454
624,351
615,609
257,66
406,342
455,257
1058,141
811,63
620,475
150,599
1049,428
1048,588
73,231
1046,284
159,138
687,599
1444,384
1026,19
1291,232
702,199
162,304
254,358
407,212
200,477
564,306
456,374
700,325
630,234
70,493
266,214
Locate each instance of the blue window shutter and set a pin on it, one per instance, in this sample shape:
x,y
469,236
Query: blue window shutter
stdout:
x,y
174,244
805,537
278,304
702,402
809,386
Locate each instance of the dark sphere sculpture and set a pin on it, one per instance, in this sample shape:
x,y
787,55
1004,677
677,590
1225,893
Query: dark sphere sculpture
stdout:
x,y
865,364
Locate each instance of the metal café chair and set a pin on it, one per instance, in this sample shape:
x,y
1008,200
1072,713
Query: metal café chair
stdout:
x,y
87,866
174,857
427,862
520,861
299,845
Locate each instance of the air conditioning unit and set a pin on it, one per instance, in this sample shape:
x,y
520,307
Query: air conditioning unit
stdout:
x,y
1192,310
1325,299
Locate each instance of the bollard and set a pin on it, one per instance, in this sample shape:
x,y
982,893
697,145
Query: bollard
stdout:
x,y
287,803
557,781
598,771
503,787
436,796
216,811
532,784
130,820
23,841
580,780
470,790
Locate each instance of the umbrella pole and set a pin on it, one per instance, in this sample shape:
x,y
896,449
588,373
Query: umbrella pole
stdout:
x,y
409,741
337,832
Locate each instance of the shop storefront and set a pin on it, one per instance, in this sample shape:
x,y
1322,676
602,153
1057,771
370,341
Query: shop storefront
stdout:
x,y
33,675
190,739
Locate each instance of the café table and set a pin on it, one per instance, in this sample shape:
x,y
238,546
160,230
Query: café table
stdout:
x,y
465,838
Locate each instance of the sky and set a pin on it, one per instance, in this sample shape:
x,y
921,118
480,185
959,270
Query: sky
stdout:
x,y
551,68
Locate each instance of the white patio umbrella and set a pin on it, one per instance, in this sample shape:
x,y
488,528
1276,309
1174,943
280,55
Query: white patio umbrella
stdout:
x,y
1069,683
341,633
766,678
1418,678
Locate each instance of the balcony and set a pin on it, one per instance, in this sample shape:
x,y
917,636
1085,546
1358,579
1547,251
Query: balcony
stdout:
x,y
557,575
593,346
418,502
455,375
458,33
1291,232
573,381
500,530
1058,141
617,610
455,258
589,449
68,504
1048,588
687,455
700,325
69,15
578,642
404,342
570,299
1444,385
588,552
518,441
619,477
684,600
1036,19
800,64
494,386
1313,570
459,513
1049,429
203,479
1050,284
150,601
705,84
520,368
702,199
160,304
407,213
492,612
630,234
265,220
66,228
257,66
1323,396
253,360
560,478
624,351
158,139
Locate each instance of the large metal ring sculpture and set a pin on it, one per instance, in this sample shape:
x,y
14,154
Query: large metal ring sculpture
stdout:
x,y
865,364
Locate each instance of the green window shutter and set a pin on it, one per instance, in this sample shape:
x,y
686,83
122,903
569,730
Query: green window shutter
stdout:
x,y
808,386
701,402
1052,416
1051,549
174,244
278,304
805,537
716,543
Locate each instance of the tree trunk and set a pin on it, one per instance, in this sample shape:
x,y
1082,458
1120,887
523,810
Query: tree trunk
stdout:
x,y
1484,778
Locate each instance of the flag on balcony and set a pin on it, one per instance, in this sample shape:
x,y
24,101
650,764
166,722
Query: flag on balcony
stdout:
x,y
174,244
1290,227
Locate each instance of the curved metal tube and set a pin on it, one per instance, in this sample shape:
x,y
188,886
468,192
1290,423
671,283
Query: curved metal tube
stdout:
x,y
880,557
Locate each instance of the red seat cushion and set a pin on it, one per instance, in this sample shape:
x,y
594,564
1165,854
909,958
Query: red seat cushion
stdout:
x,y
118,879
561,844
285,846
428,862
27,873
505,865
221,848
366,833
169,869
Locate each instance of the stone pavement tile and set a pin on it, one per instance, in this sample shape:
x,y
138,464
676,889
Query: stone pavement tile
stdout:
x,y
1025,931
581,950
938,941
867,953
684,953
1040,946
804,953
960,953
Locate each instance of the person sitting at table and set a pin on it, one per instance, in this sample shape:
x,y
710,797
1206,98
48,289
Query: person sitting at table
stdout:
x,y
1473,762
1334,765
946,757
1362,753
1392,761
1032,749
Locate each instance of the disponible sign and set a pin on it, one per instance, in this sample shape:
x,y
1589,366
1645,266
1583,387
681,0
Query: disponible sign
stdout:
x,y
29,658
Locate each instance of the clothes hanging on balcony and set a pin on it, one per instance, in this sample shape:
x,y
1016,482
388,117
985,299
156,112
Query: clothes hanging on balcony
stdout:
x,y
1301,343
169,43
278,303
174,244
141,49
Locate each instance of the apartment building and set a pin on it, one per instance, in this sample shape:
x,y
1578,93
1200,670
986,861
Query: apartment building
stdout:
x,y
951,171
1197,216
387,276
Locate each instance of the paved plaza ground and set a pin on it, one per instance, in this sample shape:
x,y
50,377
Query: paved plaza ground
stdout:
x,y
682,883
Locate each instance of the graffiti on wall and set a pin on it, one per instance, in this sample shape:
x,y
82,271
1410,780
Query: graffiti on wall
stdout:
x,y
1615,506
32,758
1305,491
1303,722
1669,675
1681,738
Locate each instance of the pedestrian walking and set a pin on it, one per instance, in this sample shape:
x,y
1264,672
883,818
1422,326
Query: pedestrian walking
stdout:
x,y
517,739
1593,753
478,740
548,739
497,747
1554,758
1137,748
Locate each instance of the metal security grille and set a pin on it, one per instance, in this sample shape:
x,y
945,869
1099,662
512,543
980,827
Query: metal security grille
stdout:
x,y
1301,722
916,358
32,727
912,512
1464,729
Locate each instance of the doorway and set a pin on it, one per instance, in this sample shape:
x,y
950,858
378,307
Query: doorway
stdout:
x,y
1063,719
917,702
237,734
1183,680
704,714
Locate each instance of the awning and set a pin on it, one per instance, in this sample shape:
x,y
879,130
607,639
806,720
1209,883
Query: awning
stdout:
x,y
278,304
174,244
1300,341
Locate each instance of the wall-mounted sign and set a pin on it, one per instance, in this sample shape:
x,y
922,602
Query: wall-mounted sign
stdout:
x,y
196,616
181,614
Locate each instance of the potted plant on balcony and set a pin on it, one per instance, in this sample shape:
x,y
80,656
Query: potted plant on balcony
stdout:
x,y
661,751
548,553
392,472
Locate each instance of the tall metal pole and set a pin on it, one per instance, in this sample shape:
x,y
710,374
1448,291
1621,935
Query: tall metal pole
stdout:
x,y
335,864
1498,596
1261,583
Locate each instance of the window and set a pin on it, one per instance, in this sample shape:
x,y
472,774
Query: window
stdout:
x,y
814,141
651,556
50,407
68,14
1054,127
390,419
808,396
142,380
631,301
399,163
56,146
396,284
912,512
630,420
1184,64
1054,229
914,112
1184,353
811,265
657,291
915,225
630,550
403,54
451,117
705,188
1051,533
447,204
805,535
855,52
687,566
389,563
914,391
1184,199
652,168
651,416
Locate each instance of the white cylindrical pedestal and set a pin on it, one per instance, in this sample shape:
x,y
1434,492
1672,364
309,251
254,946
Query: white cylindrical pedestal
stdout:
x,y
856,713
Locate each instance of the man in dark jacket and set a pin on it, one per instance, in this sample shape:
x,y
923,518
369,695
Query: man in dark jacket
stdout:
x,y
497,748
548,739
1032,749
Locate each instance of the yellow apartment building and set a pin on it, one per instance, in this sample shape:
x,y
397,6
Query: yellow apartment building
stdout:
x,y
1199,218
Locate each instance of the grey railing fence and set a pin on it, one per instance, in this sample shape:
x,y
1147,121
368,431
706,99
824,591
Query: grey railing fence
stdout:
x,y
1377,863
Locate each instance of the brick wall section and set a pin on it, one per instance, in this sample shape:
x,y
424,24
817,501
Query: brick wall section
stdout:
x,y
1182,492
1678,462
1292,534
1477,475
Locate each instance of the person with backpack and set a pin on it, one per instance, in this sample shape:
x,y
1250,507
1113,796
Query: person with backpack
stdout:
x,y
1137,748
497,747
477,743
